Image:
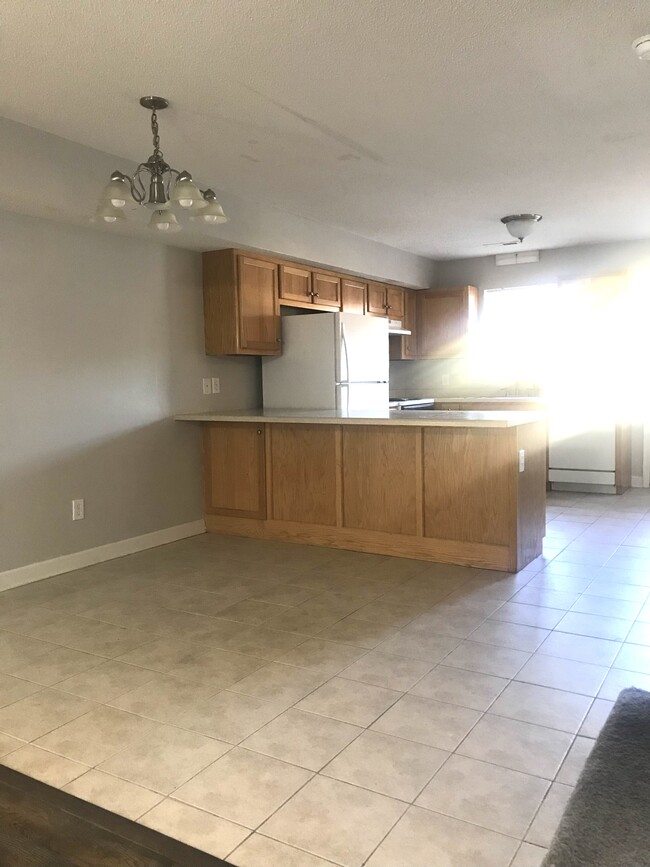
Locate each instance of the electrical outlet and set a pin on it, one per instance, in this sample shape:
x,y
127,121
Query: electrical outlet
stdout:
x,y
522,460
207,385
216,385
78,510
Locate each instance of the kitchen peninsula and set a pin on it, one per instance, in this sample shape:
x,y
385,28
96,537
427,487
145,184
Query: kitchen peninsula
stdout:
x,y
452,487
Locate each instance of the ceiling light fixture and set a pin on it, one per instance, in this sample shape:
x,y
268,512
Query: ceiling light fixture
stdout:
x,y
156,185
521,225
641,47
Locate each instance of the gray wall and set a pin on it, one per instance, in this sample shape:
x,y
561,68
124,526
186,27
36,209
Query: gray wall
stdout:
x,y
100,344
564,263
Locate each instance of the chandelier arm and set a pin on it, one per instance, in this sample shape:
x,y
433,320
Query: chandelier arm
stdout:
x,y
138,189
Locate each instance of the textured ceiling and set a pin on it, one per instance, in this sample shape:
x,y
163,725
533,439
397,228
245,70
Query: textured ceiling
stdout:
x,y
411,122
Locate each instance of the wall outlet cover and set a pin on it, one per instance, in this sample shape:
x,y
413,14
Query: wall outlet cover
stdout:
x,y
216,385
78,510
207,385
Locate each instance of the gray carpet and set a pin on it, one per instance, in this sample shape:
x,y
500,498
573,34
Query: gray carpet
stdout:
x,y
607,820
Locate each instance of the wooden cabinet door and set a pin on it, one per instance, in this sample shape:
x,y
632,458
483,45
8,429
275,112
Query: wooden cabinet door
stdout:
x,y
376,299
382,477
353,296
406,347
295,283
410,341
395,302
258,311
304,473
445,319
234,469
326,290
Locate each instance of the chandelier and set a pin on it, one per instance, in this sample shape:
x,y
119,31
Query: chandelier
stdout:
x,y
157,186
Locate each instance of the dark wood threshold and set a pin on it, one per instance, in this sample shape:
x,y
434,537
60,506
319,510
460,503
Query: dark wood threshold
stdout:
x,y
41,826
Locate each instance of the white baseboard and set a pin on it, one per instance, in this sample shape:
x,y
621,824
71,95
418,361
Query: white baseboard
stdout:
x,y
91,556
638,482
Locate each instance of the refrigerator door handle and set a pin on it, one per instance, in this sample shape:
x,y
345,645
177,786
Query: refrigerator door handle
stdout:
x,y
344,344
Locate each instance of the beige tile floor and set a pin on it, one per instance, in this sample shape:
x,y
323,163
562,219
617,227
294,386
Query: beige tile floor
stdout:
x,y
286,706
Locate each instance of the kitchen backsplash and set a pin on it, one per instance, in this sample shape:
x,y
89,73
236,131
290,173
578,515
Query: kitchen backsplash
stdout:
x,y
451,377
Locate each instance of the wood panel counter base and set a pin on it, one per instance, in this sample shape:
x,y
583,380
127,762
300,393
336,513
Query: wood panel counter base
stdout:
x,y
445,494
367,541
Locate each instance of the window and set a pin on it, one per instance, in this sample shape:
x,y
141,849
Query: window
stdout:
x,y
571,339
514,333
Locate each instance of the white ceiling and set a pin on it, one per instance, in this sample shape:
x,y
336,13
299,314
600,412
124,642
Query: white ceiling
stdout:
x,y
414,123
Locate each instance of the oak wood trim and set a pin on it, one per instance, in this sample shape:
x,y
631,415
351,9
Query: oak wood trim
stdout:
x,y
497,557
338,447
308,305
419,481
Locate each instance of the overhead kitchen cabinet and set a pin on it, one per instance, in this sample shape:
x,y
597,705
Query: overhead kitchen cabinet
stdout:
x,y
305,287
383,299
446,319
240,304
405,347
353,295
295,283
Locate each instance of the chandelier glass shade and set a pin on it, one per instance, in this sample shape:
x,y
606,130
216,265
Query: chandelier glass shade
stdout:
x,y
159,187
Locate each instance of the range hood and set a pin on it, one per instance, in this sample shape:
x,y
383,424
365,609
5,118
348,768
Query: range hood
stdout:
x,y
395,327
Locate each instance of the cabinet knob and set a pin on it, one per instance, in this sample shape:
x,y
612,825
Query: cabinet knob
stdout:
x,y
259,432
315,294
278,340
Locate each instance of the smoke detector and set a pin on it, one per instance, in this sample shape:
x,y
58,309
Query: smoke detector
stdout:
x,y
641,47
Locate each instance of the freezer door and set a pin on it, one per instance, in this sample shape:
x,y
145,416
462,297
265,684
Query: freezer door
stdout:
x,y
362,351
304,376
362,397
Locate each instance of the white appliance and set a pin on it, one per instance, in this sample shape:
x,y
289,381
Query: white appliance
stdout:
x,y
582,447
335,361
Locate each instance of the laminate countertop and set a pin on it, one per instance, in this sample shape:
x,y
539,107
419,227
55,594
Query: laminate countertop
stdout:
x,y
417,418
490,400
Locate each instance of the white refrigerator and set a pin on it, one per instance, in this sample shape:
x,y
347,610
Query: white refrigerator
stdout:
x,y
333,361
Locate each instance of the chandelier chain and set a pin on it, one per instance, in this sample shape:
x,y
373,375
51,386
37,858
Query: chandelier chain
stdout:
x,y
156,137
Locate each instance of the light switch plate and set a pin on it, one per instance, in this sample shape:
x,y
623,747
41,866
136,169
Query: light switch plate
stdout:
x,y
216,385
207,385
522,460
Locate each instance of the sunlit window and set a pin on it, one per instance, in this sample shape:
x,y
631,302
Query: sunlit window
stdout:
x,y
513,335
580,342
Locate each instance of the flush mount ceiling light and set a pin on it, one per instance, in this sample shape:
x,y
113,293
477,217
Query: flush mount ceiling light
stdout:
x,y
156,185
521,225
